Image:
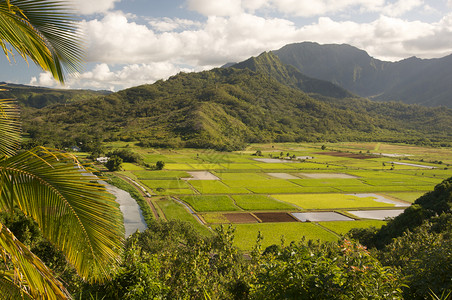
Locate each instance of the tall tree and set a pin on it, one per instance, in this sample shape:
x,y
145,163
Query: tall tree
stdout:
x,y
72,209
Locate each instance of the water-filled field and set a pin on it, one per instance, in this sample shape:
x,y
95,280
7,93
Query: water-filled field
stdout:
x,y
291,190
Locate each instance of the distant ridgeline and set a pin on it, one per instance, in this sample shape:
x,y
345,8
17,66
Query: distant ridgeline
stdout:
x,y
39,97
412,80
259,100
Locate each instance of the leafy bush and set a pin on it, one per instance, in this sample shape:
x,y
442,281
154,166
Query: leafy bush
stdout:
x,y
114,163
424,258
427,206
329,271
126,155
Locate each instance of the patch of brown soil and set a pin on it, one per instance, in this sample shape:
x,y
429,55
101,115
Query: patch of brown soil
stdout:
x,y
275,217
240,218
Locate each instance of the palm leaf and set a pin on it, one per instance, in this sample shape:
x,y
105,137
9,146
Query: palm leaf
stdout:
x,y
30,278
9,290
43,30
72,209
9,128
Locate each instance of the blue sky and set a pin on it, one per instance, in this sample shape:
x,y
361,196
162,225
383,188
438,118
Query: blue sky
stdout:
x,y
132,42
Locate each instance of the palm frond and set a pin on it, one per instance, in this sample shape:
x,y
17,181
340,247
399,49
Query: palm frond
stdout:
x,y
72,209
43,30
30,279
9,128
9,290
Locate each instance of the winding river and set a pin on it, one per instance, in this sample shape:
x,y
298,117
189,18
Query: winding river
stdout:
x,y
133,219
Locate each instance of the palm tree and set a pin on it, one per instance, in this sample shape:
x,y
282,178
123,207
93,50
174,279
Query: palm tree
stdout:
x,y
72,209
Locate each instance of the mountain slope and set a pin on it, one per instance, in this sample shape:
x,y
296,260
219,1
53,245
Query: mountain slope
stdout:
x,y
270,64
413,80
226,109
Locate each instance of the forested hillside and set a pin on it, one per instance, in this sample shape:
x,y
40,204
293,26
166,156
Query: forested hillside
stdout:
x,y
412,80
228,108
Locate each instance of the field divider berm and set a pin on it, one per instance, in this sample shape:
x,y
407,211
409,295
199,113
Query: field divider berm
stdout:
x,y
144,192
326,229
190,210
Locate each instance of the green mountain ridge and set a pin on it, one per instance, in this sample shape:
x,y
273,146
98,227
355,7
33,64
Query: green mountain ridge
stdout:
x,y
269,63
412,80
228,108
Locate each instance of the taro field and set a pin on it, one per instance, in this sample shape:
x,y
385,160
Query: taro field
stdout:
x,y
288,191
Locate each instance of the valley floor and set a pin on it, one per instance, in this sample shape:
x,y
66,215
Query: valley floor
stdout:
x,y
288,191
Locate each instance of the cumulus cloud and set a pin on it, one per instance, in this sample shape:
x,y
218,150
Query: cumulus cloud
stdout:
x,y
437,41
114,39
87,7
127,76
103,77
44,79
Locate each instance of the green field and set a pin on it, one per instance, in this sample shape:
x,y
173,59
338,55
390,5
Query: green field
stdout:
x,y
342,227
175,211
245,184
161,174
216,187
202,203
246,234
406,196
166,184
131,167
260,202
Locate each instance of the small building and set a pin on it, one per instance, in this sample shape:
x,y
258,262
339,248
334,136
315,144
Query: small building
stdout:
x,y
102,160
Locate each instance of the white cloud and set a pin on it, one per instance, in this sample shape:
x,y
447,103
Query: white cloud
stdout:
x,y
114,39
434,43
102,77
449,3
45,79
87,7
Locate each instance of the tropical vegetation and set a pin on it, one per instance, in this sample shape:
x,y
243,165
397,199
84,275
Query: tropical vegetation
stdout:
x,y
61,233
72,210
